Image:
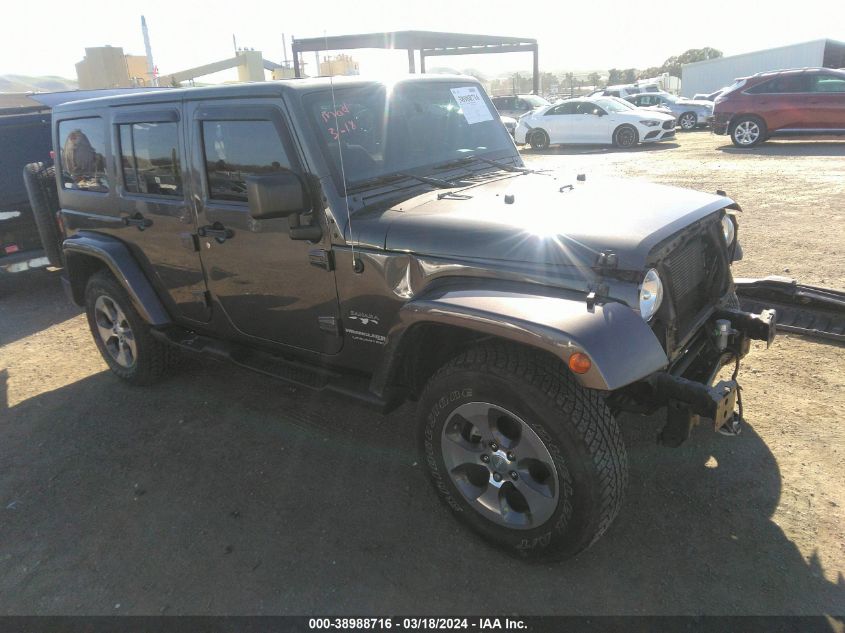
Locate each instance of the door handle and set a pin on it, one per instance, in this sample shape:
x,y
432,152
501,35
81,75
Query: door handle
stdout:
x,y
138,221
217,231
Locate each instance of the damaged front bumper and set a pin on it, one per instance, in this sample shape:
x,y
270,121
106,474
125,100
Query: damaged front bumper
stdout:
x,y
686,388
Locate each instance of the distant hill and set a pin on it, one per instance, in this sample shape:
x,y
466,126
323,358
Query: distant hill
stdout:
x,y
22,83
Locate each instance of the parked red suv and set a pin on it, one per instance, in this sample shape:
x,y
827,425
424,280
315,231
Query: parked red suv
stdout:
x,y
784,102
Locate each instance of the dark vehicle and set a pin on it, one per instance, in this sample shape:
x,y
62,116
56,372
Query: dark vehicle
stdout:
x,y
387,243
24,138
515,106
808,101
30,235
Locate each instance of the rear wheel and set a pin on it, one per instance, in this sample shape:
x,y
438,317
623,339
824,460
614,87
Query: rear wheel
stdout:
x,y
748,131
539,139
688,121
625,136
122,336
521,453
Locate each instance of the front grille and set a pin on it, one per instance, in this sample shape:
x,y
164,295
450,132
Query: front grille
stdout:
x,y
669,125
696,276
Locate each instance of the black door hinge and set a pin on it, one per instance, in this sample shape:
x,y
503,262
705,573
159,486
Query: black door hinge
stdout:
x,y
321,259
329,324
203,296
190,241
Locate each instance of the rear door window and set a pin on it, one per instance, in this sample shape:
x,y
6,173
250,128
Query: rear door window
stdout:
x,y
150,159
781,85
82,146
827,83
237,149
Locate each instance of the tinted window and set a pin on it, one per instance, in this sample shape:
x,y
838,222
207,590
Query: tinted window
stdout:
x,y
778,85
503,103
570,107
237,149
828,83
150,159
585,107
82,147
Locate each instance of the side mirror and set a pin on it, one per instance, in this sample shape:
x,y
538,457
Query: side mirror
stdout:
x,y
276,195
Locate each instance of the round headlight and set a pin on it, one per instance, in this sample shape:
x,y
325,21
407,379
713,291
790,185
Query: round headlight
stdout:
x,y
651,294
728,229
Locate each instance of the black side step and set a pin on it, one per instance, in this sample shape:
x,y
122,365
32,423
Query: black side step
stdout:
x,y
291,371
807,310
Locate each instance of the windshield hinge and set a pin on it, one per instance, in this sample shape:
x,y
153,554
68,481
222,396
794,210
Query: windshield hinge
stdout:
x,y
607,260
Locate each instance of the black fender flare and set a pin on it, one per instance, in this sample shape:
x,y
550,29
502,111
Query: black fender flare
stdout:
x,y
622,347
80,248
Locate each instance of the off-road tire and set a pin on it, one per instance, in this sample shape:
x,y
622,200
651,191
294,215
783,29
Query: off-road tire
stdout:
x,y
572,422
539,140
622,137
154,359
40,183
736,126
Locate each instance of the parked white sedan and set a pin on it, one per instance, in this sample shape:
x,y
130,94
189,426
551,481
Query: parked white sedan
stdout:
x,y
596,120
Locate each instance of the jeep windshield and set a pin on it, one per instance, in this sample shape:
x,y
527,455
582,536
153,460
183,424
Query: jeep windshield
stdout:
x,y
417,125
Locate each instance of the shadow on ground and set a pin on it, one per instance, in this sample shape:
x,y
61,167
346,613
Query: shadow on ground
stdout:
x,y
225,492
575,150
789,148
31,297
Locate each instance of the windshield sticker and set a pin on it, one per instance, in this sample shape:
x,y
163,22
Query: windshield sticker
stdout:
x,y
472,105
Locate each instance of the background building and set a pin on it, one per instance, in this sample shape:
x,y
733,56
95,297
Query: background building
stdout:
x,y
338,65
109,67
712,74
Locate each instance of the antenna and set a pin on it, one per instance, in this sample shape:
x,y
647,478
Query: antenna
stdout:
x,y
355,264
151,72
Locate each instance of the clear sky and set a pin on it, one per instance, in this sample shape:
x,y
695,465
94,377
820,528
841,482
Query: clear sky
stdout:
x,y
48,37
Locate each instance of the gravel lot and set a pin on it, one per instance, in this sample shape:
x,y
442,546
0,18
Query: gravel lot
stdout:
x,y
225,492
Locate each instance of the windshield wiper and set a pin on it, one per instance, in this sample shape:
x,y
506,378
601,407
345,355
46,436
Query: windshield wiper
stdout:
x,y
468,159
438,183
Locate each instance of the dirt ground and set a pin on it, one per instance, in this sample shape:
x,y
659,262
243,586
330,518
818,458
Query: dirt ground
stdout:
x,y
224,492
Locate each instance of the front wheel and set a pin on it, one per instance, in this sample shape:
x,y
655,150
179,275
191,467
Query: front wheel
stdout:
x,y
521,453
625,137
748,131
539,139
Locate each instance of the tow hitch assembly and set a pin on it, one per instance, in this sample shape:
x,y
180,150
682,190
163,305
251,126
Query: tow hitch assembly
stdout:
x,y
687,400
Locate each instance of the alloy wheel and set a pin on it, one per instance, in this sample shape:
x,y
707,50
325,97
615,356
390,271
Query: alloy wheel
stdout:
x,y
115,332
747,132
626,137
500,465
687,121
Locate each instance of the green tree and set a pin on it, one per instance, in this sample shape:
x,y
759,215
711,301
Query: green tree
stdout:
x,y
629,75
614,76
673,64
594,79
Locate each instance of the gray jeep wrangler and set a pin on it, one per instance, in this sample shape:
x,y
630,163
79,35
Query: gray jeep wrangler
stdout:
x,y
386,242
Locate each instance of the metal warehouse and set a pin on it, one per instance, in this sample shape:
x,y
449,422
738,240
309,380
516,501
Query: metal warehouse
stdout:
x,y
710,75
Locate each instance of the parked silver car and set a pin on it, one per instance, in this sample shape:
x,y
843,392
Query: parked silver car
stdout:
x,y
689,113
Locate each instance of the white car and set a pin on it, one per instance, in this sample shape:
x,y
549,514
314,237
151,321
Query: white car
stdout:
x,y
595,121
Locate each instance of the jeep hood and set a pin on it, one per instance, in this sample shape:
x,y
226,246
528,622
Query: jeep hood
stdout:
x,y
542,218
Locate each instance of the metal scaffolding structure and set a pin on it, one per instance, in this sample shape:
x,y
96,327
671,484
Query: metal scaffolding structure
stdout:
x,y
428,43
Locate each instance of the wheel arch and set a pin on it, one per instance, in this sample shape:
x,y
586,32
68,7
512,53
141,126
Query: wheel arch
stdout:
x,y
436,327
88,253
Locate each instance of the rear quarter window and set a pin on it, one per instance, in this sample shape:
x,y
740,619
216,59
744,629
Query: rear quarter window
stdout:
x,y
82,147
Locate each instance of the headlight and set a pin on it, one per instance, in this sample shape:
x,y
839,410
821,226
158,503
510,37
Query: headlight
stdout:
x,y
651,294
650,123
728,229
